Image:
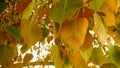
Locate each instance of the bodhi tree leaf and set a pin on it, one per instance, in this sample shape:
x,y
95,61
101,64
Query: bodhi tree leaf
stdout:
x,y
31,32
96,4
28,57
58,61
88,42
74,32
100,28
112,4
97,56
27,12
108,65
109,18
14,32
65,9
22,5
2,5
45,32
7,52
114,52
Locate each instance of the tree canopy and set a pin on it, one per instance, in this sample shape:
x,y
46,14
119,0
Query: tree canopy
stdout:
x,y
79,33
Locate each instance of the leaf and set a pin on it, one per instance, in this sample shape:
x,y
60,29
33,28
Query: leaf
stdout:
x,y
41,12
31,32
86,13
97,56
14,32
22,5
112,4
109,19
100,28
27,12
49,38
74,32
96,4
77,60
24,49
114,52
108,65
2,5
7,52
88,42
45,32
27,58
58,61
67,63
64,10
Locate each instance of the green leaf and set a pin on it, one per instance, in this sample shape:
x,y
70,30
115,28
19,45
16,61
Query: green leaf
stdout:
x,y
7,52
2,5
101,30
97,56
58,61
65,9
96,4
27,12
31,32
14,32
114,52
108,65
45,32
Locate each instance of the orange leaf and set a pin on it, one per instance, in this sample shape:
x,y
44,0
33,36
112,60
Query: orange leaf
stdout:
x,y
49,38
109,19
88,42
27,58
74,32
22,5
42,12
86,13
77,60
112,4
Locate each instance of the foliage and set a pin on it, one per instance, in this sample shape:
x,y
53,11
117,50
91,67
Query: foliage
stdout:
x,y
81,32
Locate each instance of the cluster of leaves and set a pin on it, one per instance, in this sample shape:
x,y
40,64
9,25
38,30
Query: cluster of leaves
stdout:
x,y
80,28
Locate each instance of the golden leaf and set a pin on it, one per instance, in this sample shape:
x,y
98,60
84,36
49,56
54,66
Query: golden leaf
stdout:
x,y
74,32
109,19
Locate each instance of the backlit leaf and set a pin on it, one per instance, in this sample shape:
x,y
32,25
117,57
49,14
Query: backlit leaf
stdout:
x,y
109,19
2,5
114,52
7,52
27,12
45,32
97,56
14,32
96,4
100,28
77,60
74,32
88,42
112,4
65,9
108,65
31,32
22,5
58,61
28,57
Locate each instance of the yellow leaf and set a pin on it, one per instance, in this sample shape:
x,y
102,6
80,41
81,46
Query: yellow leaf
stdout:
x,y
109,19
31,32
74,32
112,4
